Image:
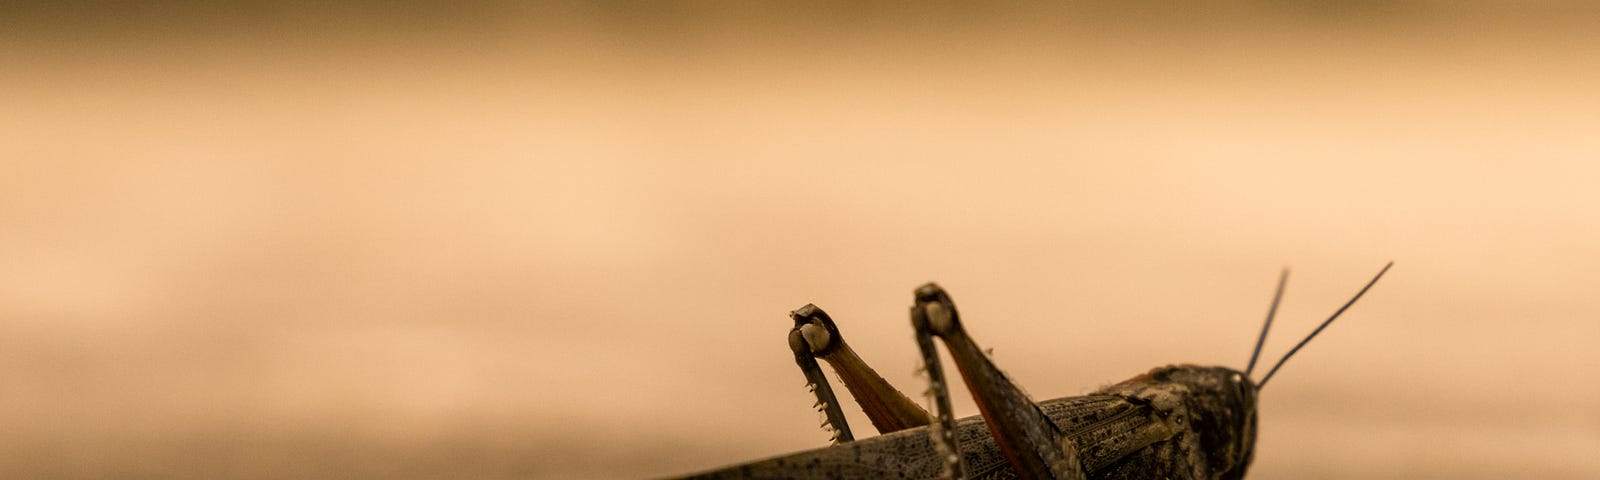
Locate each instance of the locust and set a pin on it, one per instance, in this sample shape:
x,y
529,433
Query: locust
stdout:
x,y
1173,422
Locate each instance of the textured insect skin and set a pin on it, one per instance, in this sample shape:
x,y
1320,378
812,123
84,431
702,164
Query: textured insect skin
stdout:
x,y
1175,422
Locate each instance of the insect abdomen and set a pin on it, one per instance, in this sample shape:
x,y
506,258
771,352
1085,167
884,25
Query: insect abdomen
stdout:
x,y
1108,430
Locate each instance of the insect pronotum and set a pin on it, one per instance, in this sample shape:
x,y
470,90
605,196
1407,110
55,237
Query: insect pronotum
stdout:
x,y
1173,422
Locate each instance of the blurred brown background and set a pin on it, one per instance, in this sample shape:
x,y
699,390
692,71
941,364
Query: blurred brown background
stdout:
x,y
559,240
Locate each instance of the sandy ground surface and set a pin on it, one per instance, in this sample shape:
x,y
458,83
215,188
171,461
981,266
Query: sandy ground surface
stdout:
x,y
561,241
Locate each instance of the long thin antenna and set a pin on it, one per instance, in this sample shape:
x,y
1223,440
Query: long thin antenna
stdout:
x,y
1325,323
1283,278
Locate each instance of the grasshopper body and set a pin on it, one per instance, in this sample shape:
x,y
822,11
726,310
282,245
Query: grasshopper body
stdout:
x,y
1175,422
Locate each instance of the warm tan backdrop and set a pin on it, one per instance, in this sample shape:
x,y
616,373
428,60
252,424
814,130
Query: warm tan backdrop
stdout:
x,y
420,240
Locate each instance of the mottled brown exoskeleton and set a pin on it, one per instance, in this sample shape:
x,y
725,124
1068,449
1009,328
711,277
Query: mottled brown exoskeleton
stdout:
x,y
1173,422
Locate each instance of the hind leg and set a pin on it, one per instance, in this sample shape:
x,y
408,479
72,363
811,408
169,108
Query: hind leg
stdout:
x,y
1034,446
815,336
